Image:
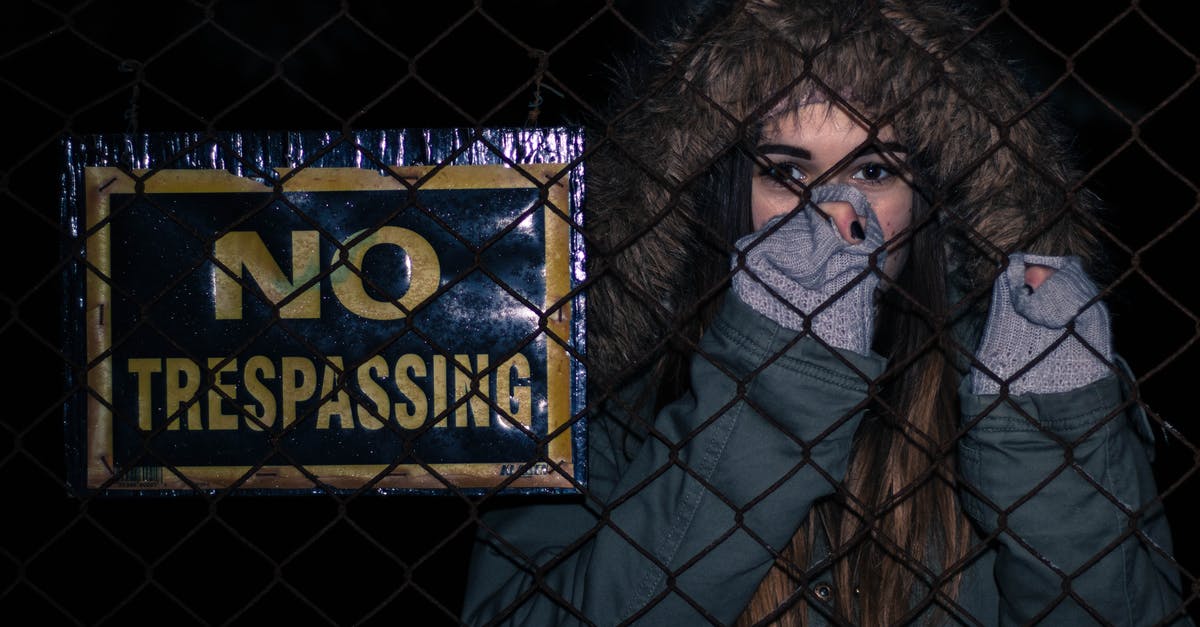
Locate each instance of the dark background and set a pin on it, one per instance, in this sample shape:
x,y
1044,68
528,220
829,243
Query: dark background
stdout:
x,y
1123,77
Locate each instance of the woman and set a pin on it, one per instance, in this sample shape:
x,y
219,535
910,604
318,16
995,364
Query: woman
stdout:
x,y
847,358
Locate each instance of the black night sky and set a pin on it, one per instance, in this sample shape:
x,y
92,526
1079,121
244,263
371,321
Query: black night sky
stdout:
x,y
1122,74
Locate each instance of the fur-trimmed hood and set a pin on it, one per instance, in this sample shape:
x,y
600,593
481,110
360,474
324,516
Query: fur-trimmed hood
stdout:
x,y
991,165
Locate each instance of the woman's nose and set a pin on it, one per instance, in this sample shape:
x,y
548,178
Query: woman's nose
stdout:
x,y
851,226
1035,275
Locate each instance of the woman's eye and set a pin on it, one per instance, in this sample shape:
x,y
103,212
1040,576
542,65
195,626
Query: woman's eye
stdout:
x,y
872,172
783,172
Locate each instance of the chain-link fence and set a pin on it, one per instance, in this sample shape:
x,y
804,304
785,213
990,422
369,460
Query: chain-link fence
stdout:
x,y
1122,74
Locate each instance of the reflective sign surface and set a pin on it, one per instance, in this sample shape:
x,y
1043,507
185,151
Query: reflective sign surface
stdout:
x,y
407,328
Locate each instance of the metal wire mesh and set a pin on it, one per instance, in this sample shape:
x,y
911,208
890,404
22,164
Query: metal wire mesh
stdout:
x,y
1122,73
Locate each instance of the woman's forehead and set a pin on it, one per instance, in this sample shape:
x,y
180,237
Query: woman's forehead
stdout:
x,y
822,123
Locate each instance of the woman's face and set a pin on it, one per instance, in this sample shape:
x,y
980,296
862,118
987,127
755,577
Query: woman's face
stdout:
x,y
802,146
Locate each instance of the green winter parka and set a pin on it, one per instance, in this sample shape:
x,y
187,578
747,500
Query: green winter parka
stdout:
x,y
675,524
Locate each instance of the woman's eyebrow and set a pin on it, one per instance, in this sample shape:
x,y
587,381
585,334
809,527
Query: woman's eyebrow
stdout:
x,y
882,147
784,149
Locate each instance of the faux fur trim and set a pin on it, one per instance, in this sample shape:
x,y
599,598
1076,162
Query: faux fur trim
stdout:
x,y
993,166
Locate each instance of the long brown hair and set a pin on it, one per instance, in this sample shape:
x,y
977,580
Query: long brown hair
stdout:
x,y
894,532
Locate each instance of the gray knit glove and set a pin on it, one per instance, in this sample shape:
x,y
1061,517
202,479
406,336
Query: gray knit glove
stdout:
x,y
1023,323
791,271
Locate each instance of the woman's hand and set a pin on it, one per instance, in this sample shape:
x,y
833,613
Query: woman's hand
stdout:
x,y
806,268
1034,303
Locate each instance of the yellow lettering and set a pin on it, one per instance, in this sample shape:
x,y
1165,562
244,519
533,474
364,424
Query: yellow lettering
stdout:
x,y
422,267
299,383
141,369
368,418
219,393
183,380
257,367
273,392
439,390
519,396
411,414
240,250
336,402
467,385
